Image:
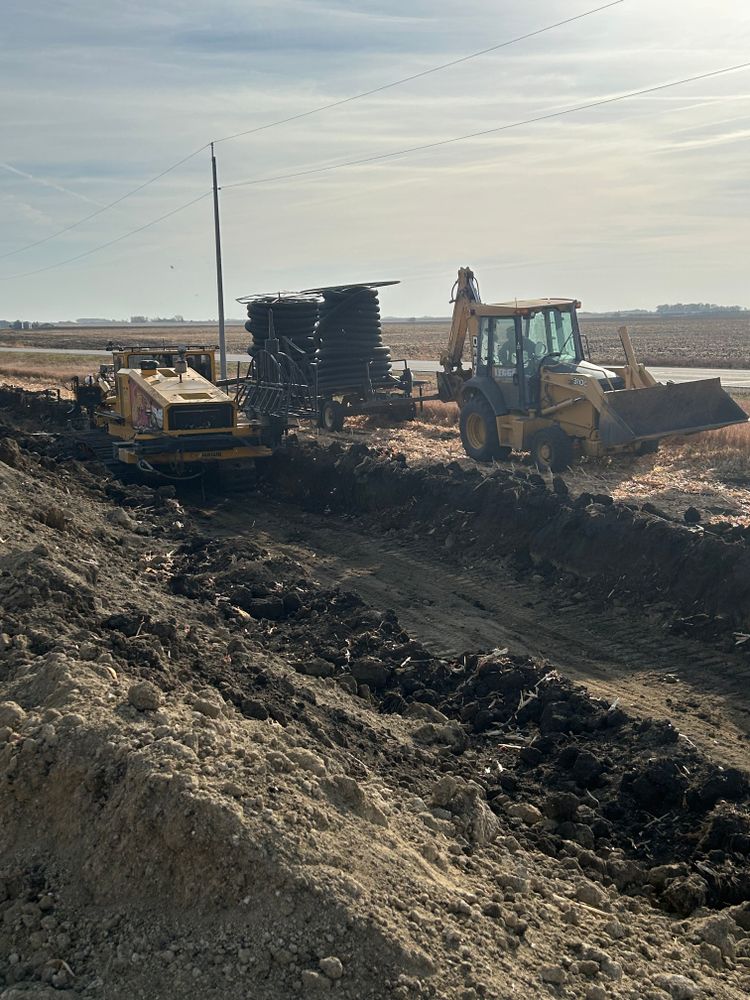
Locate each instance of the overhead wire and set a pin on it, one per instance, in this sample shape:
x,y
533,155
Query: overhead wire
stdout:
x,y
547,116
394,153
109,243
105,208
306,114
423,73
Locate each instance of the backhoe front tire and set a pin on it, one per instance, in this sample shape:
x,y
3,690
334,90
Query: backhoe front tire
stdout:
x,y
551,448
478,428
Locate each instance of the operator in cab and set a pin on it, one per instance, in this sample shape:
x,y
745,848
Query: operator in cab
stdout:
x,y
507,353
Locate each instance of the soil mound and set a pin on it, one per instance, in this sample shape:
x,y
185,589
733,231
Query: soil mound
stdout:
x,y
637,795
642,552
220,779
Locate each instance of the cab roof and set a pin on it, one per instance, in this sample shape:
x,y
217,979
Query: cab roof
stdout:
x,y
527,305
523,304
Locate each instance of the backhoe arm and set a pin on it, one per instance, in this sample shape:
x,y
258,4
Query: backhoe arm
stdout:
x,y
465,292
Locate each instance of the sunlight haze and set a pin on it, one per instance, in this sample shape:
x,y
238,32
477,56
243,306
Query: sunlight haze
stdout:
x,y
626,205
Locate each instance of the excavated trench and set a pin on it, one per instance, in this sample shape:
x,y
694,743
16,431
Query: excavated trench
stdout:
x,y
633,803
639,551
626,800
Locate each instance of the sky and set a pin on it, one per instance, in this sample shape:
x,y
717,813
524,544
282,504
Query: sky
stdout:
x,y
626,205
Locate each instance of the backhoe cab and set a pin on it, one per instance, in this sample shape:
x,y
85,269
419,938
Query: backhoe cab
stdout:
x,y
530,387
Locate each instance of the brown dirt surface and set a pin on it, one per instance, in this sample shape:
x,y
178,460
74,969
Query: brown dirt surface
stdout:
x,y
227,769
675,342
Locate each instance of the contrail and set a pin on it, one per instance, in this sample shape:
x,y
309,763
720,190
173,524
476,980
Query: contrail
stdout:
x,y
45,183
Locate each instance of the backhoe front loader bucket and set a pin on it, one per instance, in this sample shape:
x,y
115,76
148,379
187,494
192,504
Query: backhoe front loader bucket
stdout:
x,y
630,415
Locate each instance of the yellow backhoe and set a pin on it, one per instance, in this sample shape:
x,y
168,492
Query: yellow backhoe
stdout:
x,y
530,388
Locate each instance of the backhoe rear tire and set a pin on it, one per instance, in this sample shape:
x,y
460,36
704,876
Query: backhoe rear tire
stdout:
x,y
551,448
478,428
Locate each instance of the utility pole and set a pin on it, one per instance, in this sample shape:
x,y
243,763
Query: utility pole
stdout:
x,y
219,279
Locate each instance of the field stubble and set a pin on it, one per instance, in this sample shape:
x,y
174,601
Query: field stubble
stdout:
x,y
689,342
677,342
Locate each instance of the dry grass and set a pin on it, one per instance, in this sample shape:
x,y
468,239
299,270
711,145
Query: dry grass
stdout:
x,y
710,470
725,451
435,412
47,373
691,341
44,371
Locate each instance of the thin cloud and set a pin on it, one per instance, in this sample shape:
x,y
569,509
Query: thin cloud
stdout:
x,y
48,184
724,138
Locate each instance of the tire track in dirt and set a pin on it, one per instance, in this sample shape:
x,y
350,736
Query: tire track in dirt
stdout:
x,y
618,653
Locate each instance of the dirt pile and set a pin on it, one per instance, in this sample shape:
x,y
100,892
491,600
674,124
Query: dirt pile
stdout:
x,y
642,553
632,794
219,779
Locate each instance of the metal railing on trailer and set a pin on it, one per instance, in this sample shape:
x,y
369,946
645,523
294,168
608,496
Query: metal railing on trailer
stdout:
x,y
275,385
283,385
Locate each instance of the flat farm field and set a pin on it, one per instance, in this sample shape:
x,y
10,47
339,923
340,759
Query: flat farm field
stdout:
x,y
691,342
675,342
672,342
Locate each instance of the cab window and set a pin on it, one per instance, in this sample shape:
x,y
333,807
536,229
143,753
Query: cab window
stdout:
x,y
535,338
200,363
483,341
504,348
562,339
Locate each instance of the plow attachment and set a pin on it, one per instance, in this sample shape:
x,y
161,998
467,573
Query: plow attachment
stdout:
x,y
631,415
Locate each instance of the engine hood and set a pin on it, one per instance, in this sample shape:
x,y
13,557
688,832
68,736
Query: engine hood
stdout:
x,y
594,371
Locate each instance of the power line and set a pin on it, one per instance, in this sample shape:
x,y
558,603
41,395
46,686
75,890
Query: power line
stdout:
x,y
104,208
488,131
305,114
383,156
417,76
109,243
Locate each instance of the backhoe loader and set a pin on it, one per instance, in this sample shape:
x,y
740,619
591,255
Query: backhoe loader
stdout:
x,y
530,388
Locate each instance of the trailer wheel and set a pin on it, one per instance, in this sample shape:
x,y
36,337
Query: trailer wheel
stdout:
x,y
551,448
479,431
332,415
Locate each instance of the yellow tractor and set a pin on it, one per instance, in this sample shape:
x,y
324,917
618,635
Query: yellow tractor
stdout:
x,y
159,410
530,387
